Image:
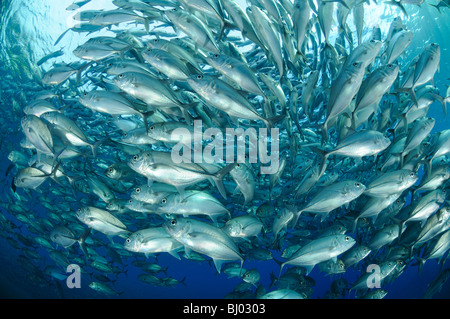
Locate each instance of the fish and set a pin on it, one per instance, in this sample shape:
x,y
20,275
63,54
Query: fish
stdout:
x,y
424,70
101,221
243,227
332,197
64,237
392,182
152,241
104,289
50,56
192,202
320,250
204,238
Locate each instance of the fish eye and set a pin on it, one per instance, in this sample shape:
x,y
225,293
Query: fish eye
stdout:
x,y
135,157
130,201
120,76
216,55
155,40
110,170
390,66
151,127
372,41
238,165
85,94
357,184
79,210
412,174
173,222
355,64
164,201
347,238
128,240
199,77
138,190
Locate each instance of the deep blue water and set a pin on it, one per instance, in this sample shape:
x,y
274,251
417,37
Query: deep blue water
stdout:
x,y
28,31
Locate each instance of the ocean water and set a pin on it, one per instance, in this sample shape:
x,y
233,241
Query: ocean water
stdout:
x,y
28,31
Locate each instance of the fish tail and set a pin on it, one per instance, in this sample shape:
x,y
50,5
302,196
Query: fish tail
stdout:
x,y
296,217
270,123
218,178
322,153
443,102
436,6
145,116
53,173
398,4
96,145
82,241
81,69
355,224
421,263
411,92
61,36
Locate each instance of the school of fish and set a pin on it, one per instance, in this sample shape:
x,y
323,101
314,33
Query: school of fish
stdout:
x,y
361,176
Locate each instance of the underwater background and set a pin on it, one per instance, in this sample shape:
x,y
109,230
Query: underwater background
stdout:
x,y
28,31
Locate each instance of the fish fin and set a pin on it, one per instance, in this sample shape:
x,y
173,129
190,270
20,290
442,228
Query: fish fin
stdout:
x,y
296,217
82,240
10,167
270,122
411,92
147,255
442,101
421,263
81,69
218,178
145,116
53,173
61,36
308,268
174,254
281,266
323,216
322,154
13,186
187,251
355,224
398,4
218,263
96,145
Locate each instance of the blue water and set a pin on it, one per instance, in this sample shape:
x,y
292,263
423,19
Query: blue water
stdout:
x,y
28,30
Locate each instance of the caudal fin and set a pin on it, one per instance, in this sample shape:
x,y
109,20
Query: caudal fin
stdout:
x,y
218,178
82,241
